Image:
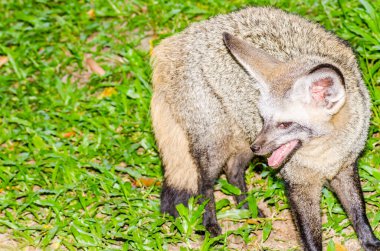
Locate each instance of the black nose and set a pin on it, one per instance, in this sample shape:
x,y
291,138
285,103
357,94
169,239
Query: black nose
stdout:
x,y
255,148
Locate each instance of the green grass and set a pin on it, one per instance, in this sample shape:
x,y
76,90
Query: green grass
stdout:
x,y
79,168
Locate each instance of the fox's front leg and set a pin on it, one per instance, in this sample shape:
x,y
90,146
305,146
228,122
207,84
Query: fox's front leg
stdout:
x,y
235,172
304,201
346,185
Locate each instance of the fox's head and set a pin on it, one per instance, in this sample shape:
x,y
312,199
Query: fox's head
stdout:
x,y
297,102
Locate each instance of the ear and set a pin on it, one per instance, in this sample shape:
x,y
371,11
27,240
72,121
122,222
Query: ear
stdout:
x,y
256,62
322,87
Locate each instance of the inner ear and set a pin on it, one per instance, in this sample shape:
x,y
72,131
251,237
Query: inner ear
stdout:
x,y
323,87
321,91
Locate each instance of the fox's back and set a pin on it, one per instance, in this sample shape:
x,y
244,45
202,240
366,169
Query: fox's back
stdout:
x,y
197,59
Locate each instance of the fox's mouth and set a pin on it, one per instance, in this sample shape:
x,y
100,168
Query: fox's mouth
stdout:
x,y
284,152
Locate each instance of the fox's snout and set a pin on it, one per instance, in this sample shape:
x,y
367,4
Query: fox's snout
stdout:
x,y
255,148
279,149
258,146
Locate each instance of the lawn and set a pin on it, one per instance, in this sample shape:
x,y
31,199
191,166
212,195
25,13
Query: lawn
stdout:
x,y
79,168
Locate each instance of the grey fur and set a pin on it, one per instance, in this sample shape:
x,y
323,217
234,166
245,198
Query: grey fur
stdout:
x,y
215,101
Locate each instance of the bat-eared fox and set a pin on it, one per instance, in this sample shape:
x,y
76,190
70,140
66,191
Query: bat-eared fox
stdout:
x,y
261,81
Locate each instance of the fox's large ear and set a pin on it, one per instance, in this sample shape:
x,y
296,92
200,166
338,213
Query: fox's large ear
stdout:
x,y
256,62
323,87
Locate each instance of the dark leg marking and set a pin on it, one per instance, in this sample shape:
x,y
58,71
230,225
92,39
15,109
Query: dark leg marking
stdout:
x,y
170,197
346,185
305,205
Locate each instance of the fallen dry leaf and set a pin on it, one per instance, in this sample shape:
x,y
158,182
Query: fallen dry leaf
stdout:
x,y
340,247
151,47
3,60
140,151
119,129
68,134
144,9
91,14
253,221
122,164
147,182
55,245
10,146
94,67
31,162
107,92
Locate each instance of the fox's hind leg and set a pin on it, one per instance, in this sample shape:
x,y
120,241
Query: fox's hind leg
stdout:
x,y
191,164
180,171
171,197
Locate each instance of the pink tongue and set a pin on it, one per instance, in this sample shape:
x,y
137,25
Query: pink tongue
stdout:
x,y
279,155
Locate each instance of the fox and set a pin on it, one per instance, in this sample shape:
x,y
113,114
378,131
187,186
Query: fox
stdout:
x,y
261,82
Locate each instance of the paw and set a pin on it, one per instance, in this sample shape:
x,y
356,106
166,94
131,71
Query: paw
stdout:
x,y
373,245
214,229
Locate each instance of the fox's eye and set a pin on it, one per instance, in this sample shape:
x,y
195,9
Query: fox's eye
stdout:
x,y
284,125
